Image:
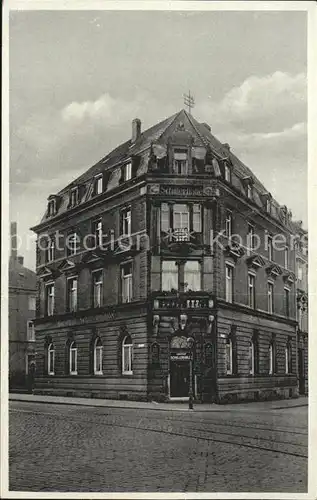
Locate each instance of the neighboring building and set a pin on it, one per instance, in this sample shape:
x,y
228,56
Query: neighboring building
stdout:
x,y
22,306
113,320
302,305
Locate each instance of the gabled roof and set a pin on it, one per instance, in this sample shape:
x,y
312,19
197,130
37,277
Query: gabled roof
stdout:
x,y
162,133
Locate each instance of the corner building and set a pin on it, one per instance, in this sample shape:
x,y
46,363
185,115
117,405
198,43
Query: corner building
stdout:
x,y
170,236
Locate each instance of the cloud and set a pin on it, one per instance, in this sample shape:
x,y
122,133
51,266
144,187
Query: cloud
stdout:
x,y
269,103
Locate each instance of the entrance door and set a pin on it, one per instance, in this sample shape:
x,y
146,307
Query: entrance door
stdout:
x,y
301,371
179,373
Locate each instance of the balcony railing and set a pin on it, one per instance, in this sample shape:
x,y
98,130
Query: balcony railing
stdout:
x,y
185,300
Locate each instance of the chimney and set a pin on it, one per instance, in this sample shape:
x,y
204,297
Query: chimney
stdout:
x,y
136,129
20,260
14,242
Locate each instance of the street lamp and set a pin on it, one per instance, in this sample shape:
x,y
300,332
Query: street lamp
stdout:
x,y
190,342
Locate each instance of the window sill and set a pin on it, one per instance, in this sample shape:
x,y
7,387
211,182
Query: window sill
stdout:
x,y
127,373
98,373
73,373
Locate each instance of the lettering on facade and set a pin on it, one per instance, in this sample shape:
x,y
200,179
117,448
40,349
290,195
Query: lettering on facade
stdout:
x,y
181,190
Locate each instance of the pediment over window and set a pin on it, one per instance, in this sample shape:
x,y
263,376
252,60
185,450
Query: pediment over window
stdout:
x,y
45,272
289,278
234,250
90,257
256,261
274,271
66,265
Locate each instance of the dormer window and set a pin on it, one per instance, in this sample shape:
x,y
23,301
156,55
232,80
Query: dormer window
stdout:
x,y
249,191
51,208
268,205
180,163
127,171
74,197
227,173
98,184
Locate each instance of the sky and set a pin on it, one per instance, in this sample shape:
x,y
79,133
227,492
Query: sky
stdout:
x,y
78,78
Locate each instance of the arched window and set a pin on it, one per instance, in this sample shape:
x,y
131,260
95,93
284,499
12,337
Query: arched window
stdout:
x,y
251,357
51,359
127,355
98,356
73,358
288,357
229,356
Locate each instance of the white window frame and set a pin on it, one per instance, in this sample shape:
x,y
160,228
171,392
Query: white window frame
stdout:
x,y
229,279
50,254
228,223
197,218
73,351
50,362
270,297
268,205
127,175
183,165
271,359
286,257
97,285
30,330
251,355
286,359
251,290
51,208
192,272
50,299
98,231
126,284
230,370
98,349
129,349
98,184
72,307
250,237
126,221
72,243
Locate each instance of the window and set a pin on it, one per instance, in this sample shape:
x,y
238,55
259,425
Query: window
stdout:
x,y
98,357
270,297
249,191
229,356
72,294
169,275
227,173
125,222
126,282
299,271
127,355
127,171
251,290
155,353
30,331
288,358
286,258
180,222
74,198
250,238
192,275
286,301
270,247
32,303
251,357
51,208
97,232
180,166
50,299
271,358
73,358
98,184
228,223
165,217
229,283
51,359
197,218
72,244
300,318
50,250
97,288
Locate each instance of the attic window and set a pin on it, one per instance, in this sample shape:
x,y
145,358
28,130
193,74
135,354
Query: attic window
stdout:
x,y
268,205
51,210
98,184
74,197
127,171
227,173
249,190
180,164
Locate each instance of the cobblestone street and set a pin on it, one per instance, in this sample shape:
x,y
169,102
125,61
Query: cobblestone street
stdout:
x,y
71,448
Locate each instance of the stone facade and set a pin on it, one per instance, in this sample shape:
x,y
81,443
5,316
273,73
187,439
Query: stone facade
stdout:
x,y
171,265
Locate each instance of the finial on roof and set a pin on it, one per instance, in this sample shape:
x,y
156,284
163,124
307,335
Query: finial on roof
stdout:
x,y
189,101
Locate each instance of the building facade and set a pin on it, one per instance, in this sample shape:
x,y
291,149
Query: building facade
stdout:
x,y
169,237
22,305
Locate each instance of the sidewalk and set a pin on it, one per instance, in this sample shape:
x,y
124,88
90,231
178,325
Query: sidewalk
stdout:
x,y
112,403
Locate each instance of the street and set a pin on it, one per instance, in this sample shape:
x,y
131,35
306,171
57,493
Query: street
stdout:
x,y
73,448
